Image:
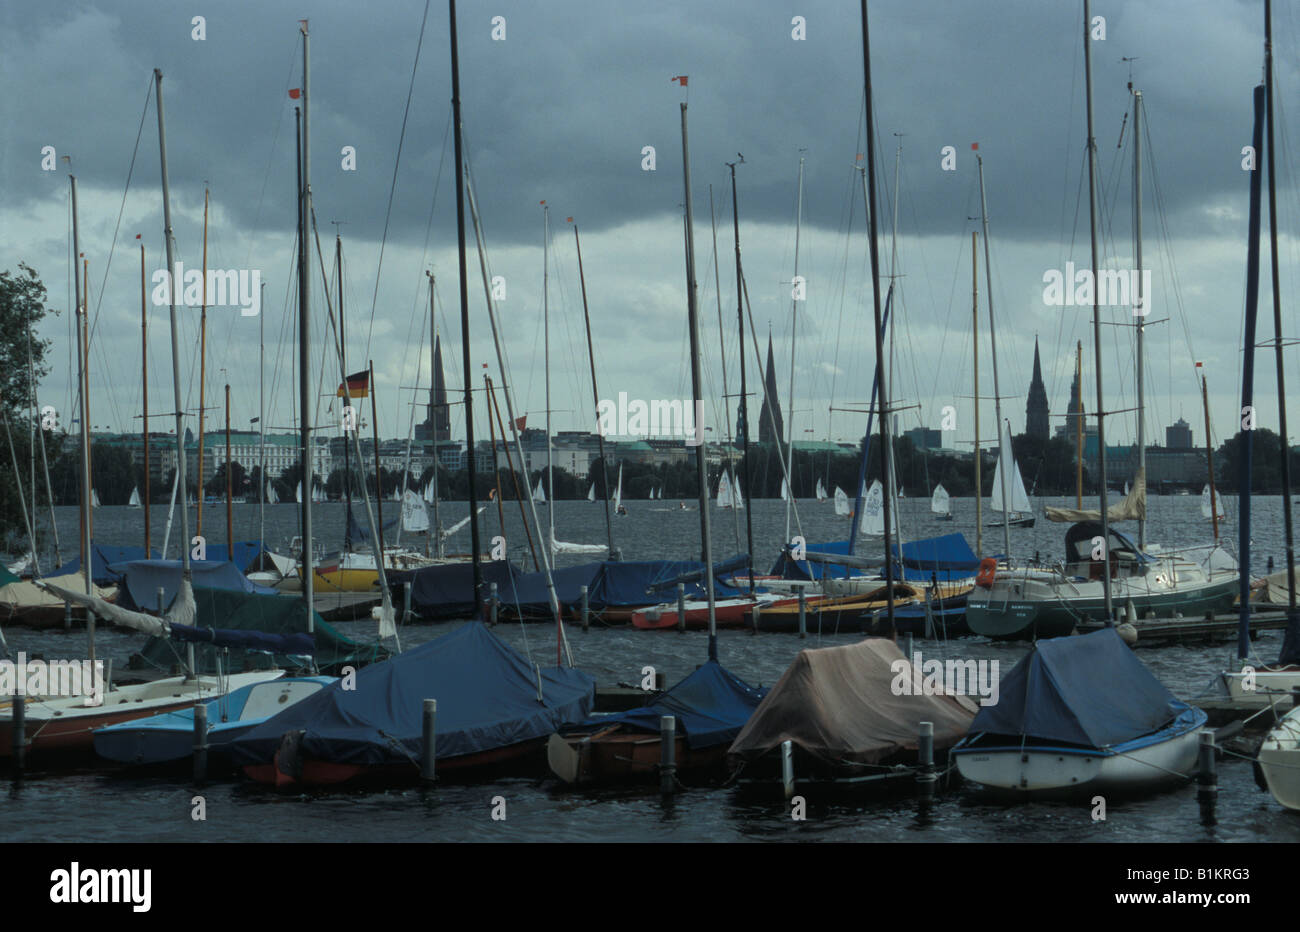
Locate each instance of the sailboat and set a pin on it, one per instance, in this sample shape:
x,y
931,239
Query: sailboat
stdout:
x,y
1115,570
539,494
591,493
940,504
618,493
873,511
134,501
1207,510
94,499
297,493
272,497
821,491
785,490
842,506
724,498
1018,514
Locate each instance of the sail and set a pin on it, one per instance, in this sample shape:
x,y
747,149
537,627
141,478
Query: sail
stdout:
x,y
591,493
297,494
428,489
94,499
397,496
735,493
1019,499
841,502
873,510
461,523
559,546
724,492
821,491
539,494
1133,507
135,498
939,503
785,490
271,497
618,491
1206,508
415,518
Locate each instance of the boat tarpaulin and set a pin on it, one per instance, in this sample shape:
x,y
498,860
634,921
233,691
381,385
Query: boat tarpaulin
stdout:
x,y
446,590
837,704
141,580
629,584
247,554
1090,691
487,699
528,592
7,577
250,640
711,705
1132,507
102,557
948,558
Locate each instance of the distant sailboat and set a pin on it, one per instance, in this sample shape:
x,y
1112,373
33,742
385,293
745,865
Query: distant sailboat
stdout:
x,y
94,499
821,491
271,497
618,493
297,493
1206,509
724,498
539,494
135,499
591,493
940,503
841,502
785,490
873,511
1019,514
415,517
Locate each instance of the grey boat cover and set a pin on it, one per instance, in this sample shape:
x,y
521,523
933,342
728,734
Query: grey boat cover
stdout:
x,y
837,704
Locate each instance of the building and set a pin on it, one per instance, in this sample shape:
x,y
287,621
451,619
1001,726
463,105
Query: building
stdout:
x,y
1036,409
1178,435
771,426
923,438
436,428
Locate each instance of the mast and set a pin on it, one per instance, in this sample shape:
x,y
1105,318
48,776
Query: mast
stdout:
x,y
1293,621
722,354
1078,426
464,321
878,332
744,396
975,338
794,327
1245,463
86,554
1096,313
595,393
434,357
176,340
1140,309
230,520
379,476
546,368
1005,456
261,422
347,400
893,268
1209,460
144,379
304,333
697,394
203,358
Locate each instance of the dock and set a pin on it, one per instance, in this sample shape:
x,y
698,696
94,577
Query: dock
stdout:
x,y
1212,629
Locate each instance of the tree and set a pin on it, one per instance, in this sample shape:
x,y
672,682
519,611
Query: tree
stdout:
x,y
22,365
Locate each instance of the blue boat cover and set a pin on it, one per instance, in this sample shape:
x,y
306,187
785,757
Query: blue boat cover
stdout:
x,y
487,699
101,558
446,590
246,553
948,558
1089,691
624,585
141,580
302,644
527,592
711,705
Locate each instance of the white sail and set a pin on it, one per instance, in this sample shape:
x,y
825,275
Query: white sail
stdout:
x,y
297,493
135,498
785,490
271,497
618,490
415,518
428,489
939,504
821,491
735,492
1126,488
461,523
1206,509
397,495
724,492
94,499
873,511
841,502
539,494
1019,498
591,493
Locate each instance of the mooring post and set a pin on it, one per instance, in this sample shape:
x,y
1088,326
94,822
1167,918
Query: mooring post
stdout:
x,y
925,775
200,742
428,740
586,618
661,680
406,603
787,768
667,754
803,613
681,607
757,610
19,731
67,616
1207,778
494,602
909,647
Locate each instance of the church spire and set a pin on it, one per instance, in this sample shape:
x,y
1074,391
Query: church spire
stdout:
x,y
771,426
1036,409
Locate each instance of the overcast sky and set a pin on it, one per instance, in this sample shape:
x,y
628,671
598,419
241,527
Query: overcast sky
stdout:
x,y
561,109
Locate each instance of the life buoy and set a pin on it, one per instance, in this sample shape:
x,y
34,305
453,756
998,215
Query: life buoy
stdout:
x,y
988,570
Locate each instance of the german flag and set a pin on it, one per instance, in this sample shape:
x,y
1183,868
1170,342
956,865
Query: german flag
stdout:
x,y
358,385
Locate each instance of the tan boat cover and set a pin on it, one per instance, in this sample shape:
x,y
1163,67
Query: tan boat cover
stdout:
x,y
837,704
182,610
26,595
1275,587
1132,508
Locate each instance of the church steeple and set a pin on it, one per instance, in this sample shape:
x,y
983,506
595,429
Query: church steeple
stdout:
x,y
1036,409
771,426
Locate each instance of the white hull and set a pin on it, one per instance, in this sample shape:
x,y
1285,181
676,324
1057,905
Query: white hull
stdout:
x,y
1279,759
1038,770
1271,689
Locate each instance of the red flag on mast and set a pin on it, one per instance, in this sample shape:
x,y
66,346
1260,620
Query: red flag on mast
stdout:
x,y
295,92
680,79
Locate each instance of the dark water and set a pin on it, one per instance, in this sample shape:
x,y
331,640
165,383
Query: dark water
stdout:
x,y
79,806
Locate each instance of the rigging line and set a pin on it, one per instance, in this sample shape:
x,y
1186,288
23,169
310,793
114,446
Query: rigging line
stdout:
x,y
401,139
270,156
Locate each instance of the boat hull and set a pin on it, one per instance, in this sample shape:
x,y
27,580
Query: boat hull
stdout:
x,y
322,773
625,756
1279,760
1146,763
